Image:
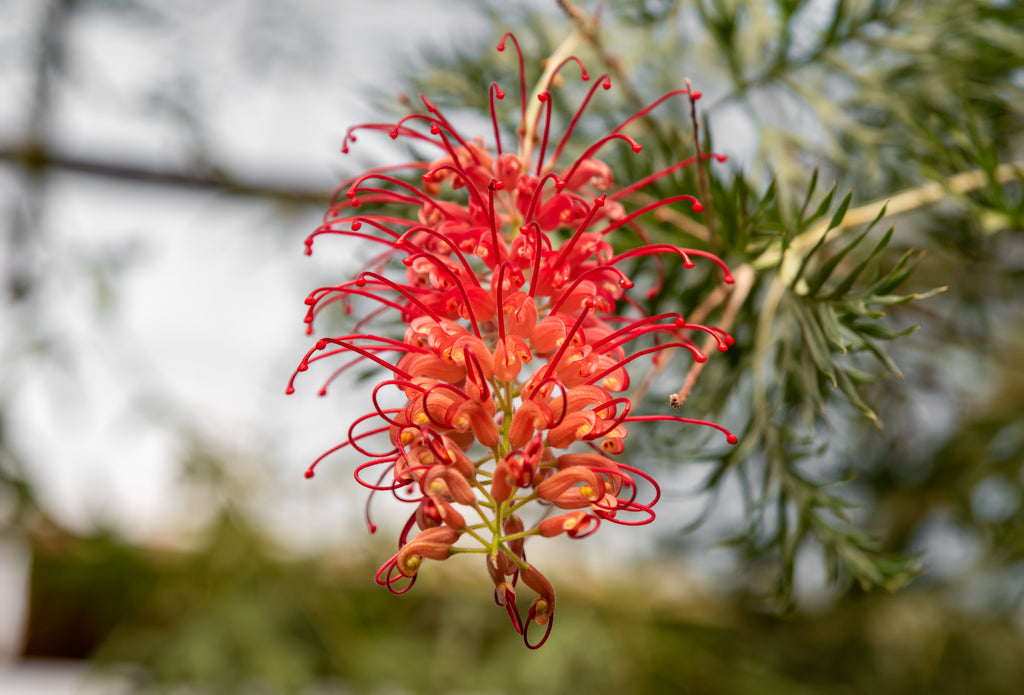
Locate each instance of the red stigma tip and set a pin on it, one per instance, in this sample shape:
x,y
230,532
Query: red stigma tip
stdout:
x,y
309,474
637,148
687,263
728,279
501,44
599,200
695,95
585,76
697,207
498,94
372,527
321,344
435,129
394,134
290,390
322,392
731,438
356,225
607,83
543,96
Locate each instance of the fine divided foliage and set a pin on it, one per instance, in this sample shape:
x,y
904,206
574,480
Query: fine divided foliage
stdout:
x,y
826,283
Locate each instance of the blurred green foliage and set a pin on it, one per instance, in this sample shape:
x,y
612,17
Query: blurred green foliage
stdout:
x,y
234,617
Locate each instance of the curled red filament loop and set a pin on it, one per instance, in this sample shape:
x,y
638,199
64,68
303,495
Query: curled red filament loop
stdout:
x,y
624,282
603,81
698,355
634,330
522,71
417,194
383,127
376,487
401,240
619,419
457,284
650,107
729,436
648,478
402,291
526,630
634,145
545,98
535,198
586,528
633,507
494,92
430,177
599,202
389,580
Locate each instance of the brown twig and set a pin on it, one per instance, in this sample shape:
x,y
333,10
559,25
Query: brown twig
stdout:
x,y
684,223
743,282
702,174
40,159
587,27
733,295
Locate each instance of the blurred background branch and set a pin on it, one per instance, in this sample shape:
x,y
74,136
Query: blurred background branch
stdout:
x,y
35,158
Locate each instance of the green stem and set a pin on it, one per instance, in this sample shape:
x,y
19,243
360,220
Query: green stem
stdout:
x,y
521,534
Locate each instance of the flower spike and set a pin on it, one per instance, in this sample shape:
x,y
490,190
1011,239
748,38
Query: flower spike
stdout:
x,y
496,415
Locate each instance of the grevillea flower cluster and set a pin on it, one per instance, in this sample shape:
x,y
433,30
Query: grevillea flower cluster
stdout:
x,y
519,337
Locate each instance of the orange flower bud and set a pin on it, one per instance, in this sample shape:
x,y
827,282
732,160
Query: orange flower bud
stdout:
x,y
573,428
563,523
433,544
529,417
511,526
502,485
592,488
543,608
444,480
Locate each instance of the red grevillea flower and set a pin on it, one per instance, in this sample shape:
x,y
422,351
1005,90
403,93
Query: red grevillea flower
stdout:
x,y
514,347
